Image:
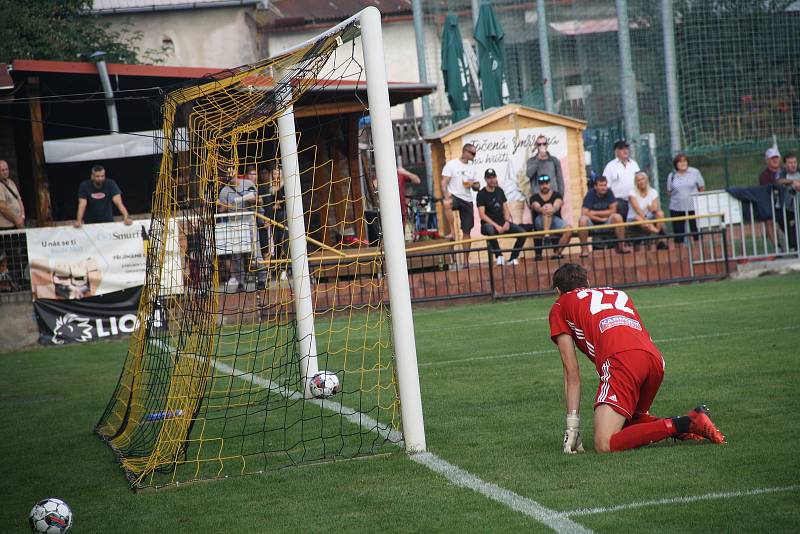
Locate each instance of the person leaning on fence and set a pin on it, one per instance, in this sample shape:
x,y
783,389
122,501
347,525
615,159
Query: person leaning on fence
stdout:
x,y
544,164
12,216
459,179
643,205
546,209
599,208
496,219
95,197
682,183
237,195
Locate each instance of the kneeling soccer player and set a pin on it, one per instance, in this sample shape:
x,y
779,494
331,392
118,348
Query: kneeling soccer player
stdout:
x,y
606,327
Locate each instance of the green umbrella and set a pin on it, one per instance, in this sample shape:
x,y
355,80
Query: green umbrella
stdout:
x,y
454,69
491,58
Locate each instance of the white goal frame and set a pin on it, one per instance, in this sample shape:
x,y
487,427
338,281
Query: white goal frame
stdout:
x,y
403,338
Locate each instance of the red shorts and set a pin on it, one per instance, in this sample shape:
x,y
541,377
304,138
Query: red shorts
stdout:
x,y
629,382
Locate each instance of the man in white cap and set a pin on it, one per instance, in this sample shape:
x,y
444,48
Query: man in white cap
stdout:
x,y
771,175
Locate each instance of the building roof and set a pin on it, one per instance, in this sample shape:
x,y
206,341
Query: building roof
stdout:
x,y
108,7
494,114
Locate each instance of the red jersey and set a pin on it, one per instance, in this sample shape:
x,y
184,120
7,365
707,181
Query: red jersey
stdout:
x,y
602,321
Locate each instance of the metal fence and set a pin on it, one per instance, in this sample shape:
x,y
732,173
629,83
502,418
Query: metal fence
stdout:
x,y
736,64
749,233
14,273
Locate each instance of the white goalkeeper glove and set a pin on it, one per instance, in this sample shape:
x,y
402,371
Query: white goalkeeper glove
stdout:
x,y
572,435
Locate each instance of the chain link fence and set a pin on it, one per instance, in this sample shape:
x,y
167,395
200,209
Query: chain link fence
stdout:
x,y
737,64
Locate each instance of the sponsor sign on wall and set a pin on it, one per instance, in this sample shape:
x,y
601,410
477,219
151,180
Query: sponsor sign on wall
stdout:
x,y
91,318
69,263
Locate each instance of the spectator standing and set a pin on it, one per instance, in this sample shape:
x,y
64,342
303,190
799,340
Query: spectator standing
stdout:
x,y
790,177
237,195
12,210
682,183
12,216
600,207
543,164
496,218
403,177
621,172
546,207
95,197
643,205
273,199
459,179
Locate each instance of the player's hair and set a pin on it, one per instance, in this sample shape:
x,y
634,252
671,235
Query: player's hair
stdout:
x,y
97,168
570,276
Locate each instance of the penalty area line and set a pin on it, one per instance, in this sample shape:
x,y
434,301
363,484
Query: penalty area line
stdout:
x,y
679,500
553,519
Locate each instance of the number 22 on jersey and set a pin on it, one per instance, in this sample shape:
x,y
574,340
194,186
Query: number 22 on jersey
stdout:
x,y
596,305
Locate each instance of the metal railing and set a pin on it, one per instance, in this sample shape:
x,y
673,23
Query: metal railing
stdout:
x,y
750,236
14,272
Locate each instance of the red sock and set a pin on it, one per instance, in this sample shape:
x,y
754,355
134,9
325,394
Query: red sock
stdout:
x,y
636,435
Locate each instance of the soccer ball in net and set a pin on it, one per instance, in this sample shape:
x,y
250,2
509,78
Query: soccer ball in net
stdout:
x,y
51,516
325,384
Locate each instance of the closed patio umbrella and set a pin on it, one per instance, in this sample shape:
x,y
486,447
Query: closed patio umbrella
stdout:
x,y
491,58
454,69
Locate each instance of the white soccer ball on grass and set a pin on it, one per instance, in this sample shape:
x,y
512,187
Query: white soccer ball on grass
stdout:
x,y
50,516
325,384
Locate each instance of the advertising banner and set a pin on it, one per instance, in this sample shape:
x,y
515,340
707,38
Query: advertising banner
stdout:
x,y
89,319
69,263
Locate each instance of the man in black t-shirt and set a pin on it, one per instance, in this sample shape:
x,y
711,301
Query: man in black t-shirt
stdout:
x,y
496,218
95,197
546,208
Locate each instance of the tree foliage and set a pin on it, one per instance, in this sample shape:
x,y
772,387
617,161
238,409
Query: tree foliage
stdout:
x,y
61,30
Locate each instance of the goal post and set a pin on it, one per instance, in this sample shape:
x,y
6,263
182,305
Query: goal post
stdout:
x,y
260,190
393,233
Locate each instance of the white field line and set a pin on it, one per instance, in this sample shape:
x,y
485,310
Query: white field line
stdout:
x,y
555,520
660,340
454,474
679,500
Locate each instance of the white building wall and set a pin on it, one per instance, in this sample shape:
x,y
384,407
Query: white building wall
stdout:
x,y
401,59
216,38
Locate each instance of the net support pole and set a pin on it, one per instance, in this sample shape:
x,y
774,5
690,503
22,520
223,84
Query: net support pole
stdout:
x,y
671,75
630,104
544,56
301,279
393,239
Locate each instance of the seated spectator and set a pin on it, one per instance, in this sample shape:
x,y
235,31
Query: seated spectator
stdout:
x,y
643,205
546,207
600,207
496,218
682,183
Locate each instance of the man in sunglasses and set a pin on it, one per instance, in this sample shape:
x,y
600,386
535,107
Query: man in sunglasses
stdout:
x,y
543,164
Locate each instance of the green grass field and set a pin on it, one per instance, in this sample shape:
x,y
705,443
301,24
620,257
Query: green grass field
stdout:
x,y
492,395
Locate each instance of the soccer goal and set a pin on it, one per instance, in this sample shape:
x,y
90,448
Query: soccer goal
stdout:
x,y
272,329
